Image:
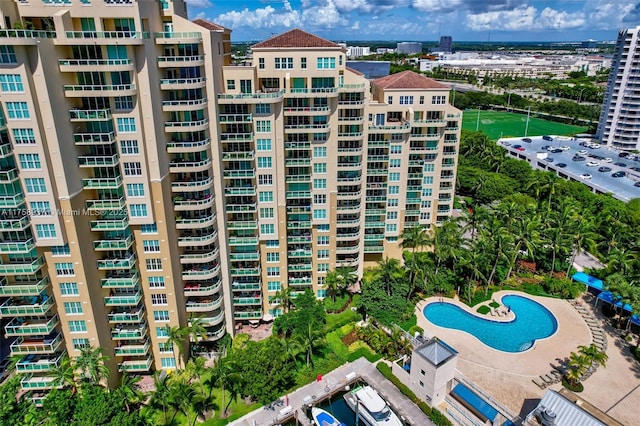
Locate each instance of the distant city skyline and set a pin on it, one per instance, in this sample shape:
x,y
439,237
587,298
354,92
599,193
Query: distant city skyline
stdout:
x,y
423,20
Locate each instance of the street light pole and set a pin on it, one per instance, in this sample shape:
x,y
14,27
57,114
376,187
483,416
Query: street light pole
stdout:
x,y
526,129
580,95
478,120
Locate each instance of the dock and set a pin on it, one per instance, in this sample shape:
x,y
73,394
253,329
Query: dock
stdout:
x,y
334,382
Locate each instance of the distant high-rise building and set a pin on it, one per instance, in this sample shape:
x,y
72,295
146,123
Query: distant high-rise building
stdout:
x,y
445,44
409,47
358,51
619,124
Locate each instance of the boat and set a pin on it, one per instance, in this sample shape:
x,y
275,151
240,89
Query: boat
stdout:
x,y
370,407
324,418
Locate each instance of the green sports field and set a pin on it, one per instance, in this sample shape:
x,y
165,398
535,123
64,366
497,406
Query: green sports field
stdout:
x,y
508,124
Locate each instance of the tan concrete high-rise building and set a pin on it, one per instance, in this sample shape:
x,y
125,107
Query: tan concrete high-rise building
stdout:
x,y
145,180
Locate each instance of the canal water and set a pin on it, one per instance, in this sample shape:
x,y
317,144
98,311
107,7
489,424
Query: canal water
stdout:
x,y
339,409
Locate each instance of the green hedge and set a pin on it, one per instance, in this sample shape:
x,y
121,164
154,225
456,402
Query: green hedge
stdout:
x,y
484,310
335,343
433,413
364,352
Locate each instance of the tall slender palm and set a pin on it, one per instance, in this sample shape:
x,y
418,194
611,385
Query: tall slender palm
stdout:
x,y
160,397
196,331
65,374
311,339
224,376
526,236
347,276
176,337
390,272
284,297
181,395
129,392
582,236
290,347
331,281
414,237
91,364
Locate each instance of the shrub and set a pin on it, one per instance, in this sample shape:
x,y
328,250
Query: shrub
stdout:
x,y
414,329
577,388
335,321
484,310
494,304
336,346
408,323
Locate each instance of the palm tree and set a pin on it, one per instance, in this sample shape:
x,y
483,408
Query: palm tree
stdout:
x,y
181,395
91,364
129,392
290,347
310,340
196,331
65,374
160,397
284,297
224,376
414,237
593,354
577,366
526,236
390,271
176,336
582,237
347,276
331,281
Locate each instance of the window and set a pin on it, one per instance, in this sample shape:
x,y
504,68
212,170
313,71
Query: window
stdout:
x,y
46,231
319,152
126,124
319,199
151,246
427,192
11,83
35,185
154,264
138,210
263,109
421,384
261,63
323,254
394,189
79,344
29,161
149,229
421,100
18,110
135,190
23,137
265,179
7,55
123,103
395,163
392,227
166,347
231,85
427,180
40,208
323,241
320,168
319,184
438,100
394,177
320,214
322,293
129,147
133,169
72,308
390,100
303,63
168,362
263,126
156,282
392,215
267,229
78,326
392,202
326,63
64,269
406,100
267,212
273,244
396,149
273,286
429,167
273,271
161,316
323,267
265,162
69,289
263,144
61,250
284,63
158,299
273,257
162,332
265,196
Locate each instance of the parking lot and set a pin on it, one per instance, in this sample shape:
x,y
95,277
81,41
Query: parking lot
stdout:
x,y
603,169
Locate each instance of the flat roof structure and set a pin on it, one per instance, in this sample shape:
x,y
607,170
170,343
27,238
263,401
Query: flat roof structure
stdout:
x,y
568,409
621,188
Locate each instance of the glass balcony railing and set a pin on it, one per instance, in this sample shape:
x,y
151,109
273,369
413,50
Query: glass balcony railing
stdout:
x,y
97,88
8,176
98,160
121,281
245,96
22,268
11,201
238,286
124,298
94,138
102,183
34,306
39,363
125,262
200,257
199,289
17,247
236,225
31,345
107,34
27,34
132,366
201,274
101,205
247,301
93,62
136,315
121,243
178,35
23,288
31,326
132,349
241,272
89,115
40,382
244,256
129,332
203,304
109,224
248,315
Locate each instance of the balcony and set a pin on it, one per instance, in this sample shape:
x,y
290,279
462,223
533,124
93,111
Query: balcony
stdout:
x,y
132,366
185,165
247,315
199,257
29,382
98,160
122,280
132,349
241,208
22,267
299,253
297,224
33,306
136,316
203,304
198,240
297,194
101,90
103,37
238,257
210,321
11,201
235,118
399,127
192,185
238,155
236,137
80,115
186,126
244,272
350,136
50,344
24,37
123,298
302,267
243,98
343,88
129,332
239,225
23,287
298,179
109,225
184,105
31,326
230,191
5,150
243,241
306,128
17,247
206,273
94,65
105,138
118,243
300,281
169,37
348,237
180,61
39,363
302,111
183,84
374,249
201,289
190,223
238,286
128,261
181,204
314,91
8,176
234,174
298,162
102,183
247,301
348,249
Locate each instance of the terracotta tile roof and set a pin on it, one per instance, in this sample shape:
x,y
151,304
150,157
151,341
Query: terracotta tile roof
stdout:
x,y
355,71
408,80
210,25
295,38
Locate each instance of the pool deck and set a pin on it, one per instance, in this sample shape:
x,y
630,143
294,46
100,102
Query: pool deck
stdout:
x,y
507,377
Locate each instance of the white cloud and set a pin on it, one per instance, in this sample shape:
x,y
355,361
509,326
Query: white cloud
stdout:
x,y
607,15
560,20
525,18
436,6
200,4
266,17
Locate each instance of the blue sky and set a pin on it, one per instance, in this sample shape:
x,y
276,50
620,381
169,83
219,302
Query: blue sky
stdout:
x,y
422,20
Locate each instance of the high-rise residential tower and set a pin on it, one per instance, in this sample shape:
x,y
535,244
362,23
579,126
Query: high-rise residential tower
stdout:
x,y
147,181
619,124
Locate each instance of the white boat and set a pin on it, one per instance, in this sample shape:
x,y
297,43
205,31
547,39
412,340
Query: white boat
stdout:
x,y
370,407
324,418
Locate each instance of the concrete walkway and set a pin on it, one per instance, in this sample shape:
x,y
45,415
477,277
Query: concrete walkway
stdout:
x,y
332,383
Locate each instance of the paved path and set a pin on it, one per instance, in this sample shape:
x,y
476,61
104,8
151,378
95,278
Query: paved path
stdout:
x,y
332,383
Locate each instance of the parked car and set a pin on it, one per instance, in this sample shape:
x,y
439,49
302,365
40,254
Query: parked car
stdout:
x,y
547,138
548,159
623,155
506,144
565,148
608,160
635,169
637,184
527,140
546,147
556,150
604,169
561,165
578,158
583,152
593,164
620,164
517,146
585,176
520,148
594,146
618,174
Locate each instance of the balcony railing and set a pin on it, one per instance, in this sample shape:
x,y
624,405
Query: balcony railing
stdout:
x,y
31,326
36,346
25,288
107,34
23,307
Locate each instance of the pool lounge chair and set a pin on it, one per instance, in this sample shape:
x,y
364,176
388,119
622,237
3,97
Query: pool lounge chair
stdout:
x,y
547,379
539,383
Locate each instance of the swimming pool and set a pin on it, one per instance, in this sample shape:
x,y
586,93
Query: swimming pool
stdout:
x,y
532,322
